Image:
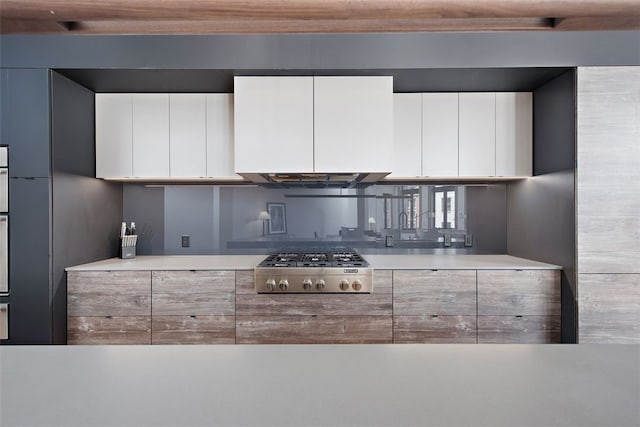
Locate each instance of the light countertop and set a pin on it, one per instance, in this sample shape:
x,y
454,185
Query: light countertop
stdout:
x,y
384,262
320,385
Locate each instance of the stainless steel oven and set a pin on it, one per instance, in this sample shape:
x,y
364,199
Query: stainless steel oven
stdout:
x,y
4,221
4,321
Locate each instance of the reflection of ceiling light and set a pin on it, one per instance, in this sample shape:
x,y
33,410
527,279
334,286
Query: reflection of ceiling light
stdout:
x,y
372,220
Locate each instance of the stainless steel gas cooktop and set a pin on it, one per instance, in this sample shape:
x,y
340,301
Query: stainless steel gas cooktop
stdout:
x,y
326,270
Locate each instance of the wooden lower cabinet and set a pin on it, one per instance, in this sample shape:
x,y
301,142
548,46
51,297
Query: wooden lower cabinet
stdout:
x,y
314,318
519,329
434,329
193,330
434,306
519,306
109,307
193,307
109,293
406,306
313,329
109,330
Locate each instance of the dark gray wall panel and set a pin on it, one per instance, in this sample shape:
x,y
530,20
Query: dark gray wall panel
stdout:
x,y
541,210
486,218
325,51
554,123
541,226
72,127
145,206
26,121
29,269
86,211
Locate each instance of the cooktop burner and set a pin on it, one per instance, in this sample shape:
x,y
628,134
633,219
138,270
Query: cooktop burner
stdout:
x,y
333,257
314,271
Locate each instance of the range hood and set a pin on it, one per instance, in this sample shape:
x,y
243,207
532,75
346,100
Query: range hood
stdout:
x,y
315,180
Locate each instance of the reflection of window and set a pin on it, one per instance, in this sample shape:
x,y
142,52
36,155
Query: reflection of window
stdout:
x,y
445,206
410,212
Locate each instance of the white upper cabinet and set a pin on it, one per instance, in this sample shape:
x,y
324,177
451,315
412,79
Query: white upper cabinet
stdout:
x,y
273,124
164,136
477,134
464,135
187,135
220,136
514,134
353,124
114,135
440,134
407,135
151,135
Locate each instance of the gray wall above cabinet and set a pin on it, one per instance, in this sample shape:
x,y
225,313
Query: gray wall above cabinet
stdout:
x,y
325,51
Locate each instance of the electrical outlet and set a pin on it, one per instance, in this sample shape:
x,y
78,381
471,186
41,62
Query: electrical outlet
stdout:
x,y
186,241
468,240
447,240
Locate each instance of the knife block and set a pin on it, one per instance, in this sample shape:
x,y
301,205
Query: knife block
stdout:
x,y
128,247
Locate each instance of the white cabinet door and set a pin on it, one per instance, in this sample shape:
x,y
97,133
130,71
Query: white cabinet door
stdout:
x,y
220,136
440,134
353,125
187,135
114,135
151,135
407,135
514,133
273,124
477,137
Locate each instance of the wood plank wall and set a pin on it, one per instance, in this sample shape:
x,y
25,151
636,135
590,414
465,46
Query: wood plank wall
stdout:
x,y
608,204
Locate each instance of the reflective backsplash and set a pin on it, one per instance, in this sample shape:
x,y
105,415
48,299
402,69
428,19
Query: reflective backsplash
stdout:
x,y
379,218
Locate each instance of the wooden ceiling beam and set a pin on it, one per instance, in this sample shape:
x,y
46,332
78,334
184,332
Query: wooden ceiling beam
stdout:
x,y
88,10
603,23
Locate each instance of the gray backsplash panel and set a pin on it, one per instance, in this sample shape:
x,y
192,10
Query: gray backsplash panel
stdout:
x,y
221,219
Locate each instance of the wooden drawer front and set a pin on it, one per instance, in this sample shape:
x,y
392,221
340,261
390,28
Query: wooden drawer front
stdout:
x,y
193,330
609,308
109,293
203,293
434,329
109,330
313,329
519,292
441,292
519,329
378,303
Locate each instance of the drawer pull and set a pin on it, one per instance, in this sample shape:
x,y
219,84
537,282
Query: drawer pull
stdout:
x,y
519,316
434,316
108,317
192,316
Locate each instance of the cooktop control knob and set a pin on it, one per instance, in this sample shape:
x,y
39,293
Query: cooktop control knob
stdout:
x,y
284,285
344,285
357,285
271,284
306,284
320,285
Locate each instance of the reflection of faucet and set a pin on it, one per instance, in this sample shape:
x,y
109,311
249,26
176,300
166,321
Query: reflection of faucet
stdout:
x,y
402,220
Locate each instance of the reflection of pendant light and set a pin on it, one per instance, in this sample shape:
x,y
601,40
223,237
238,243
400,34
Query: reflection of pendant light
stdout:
x,y
264,216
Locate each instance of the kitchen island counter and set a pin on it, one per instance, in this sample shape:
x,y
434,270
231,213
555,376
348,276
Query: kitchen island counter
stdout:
x,y
320,385
381,262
